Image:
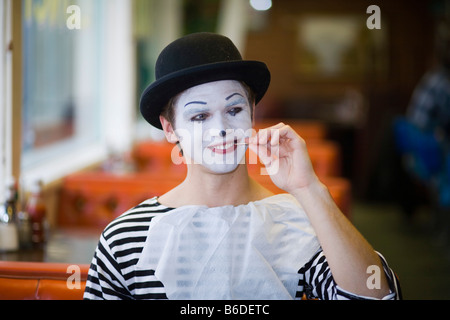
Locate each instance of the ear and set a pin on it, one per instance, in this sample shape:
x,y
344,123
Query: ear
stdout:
x,y
168,130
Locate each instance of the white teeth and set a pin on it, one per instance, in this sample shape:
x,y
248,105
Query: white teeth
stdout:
x,y
224,146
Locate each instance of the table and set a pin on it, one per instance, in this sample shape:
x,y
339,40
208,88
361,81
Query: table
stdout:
x,y
63,246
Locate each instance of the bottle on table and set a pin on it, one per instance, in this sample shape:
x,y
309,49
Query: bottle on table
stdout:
x,y
37,211
9,238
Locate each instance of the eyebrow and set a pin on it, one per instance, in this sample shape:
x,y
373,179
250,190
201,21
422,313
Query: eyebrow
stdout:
x,y
234,94
204,103
195,102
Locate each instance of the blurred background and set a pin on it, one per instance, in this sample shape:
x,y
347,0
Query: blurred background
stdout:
x,y
365,85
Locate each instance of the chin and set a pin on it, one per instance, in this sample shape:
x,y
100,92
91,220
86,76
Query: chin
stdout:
x,y
221,168
223,164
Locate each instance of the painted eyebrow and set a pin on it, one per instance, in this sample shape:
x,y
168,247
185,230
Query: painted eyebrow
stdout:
x,y
195,102
204,103
234,94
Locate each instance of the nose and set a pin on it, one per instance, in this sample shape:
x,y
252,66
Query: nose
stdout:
x,y
221,126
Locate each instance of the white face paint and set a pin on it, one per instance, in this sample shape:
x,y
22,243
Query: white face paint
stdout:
x,y
203,114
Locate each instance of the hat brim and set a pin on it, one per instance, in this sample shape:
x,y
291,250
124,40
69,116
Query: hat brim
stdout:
x,y
254,73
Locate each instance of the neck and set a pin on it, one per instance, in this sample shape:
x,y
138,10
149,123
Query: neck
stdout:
x,y
218,189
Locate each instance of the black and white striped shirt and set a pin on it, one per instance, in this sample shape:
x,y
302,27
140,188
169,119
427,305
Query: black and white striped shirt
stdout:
x,y
113,273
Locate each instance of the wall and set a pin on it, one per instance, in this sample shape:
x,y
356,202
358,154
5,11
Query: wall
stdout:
x,y
409,26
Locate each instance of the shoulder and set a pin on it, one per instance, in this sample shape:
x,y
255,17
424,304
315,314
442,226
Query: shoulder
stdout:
x,y
134,222
112,273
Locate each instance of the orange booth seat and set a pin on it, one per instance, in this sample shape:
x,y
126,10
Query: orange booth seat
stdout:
x,y
42,281
94,199
158,156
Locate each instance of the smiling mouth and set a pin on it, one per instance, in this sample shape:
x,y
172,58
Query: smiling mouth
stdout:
x,y
225,147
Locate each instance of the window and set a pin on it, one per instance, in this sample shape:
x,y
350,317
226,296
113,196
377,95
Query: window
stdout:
x,y
78,94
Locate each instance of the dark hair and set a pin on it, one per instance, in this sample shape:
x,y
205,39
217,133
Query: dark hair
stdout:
x,y
168,110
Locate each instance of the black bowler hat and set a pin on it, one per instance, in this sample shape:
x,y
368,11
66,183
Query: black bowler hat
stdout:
x,y
196,59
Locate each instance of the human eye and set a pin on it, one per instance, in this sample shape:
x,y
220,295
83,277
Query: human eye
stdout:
x,y
199,117
235,111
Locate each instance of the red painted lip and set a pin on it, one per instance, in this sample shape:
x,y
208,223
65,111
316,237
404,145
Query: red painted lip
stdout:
x,y
225,151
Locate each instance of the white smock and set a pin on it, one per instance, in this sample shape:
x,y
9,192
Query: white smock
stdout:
x,y
251,251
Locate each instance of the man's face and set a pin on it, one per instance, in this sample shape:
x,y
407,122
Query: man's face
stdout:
x,y
209,120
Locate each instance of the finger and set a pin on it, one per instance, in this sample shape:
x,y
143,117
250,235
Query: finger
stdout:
x,y
286,133
277,126
292,134
275,137
263,136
